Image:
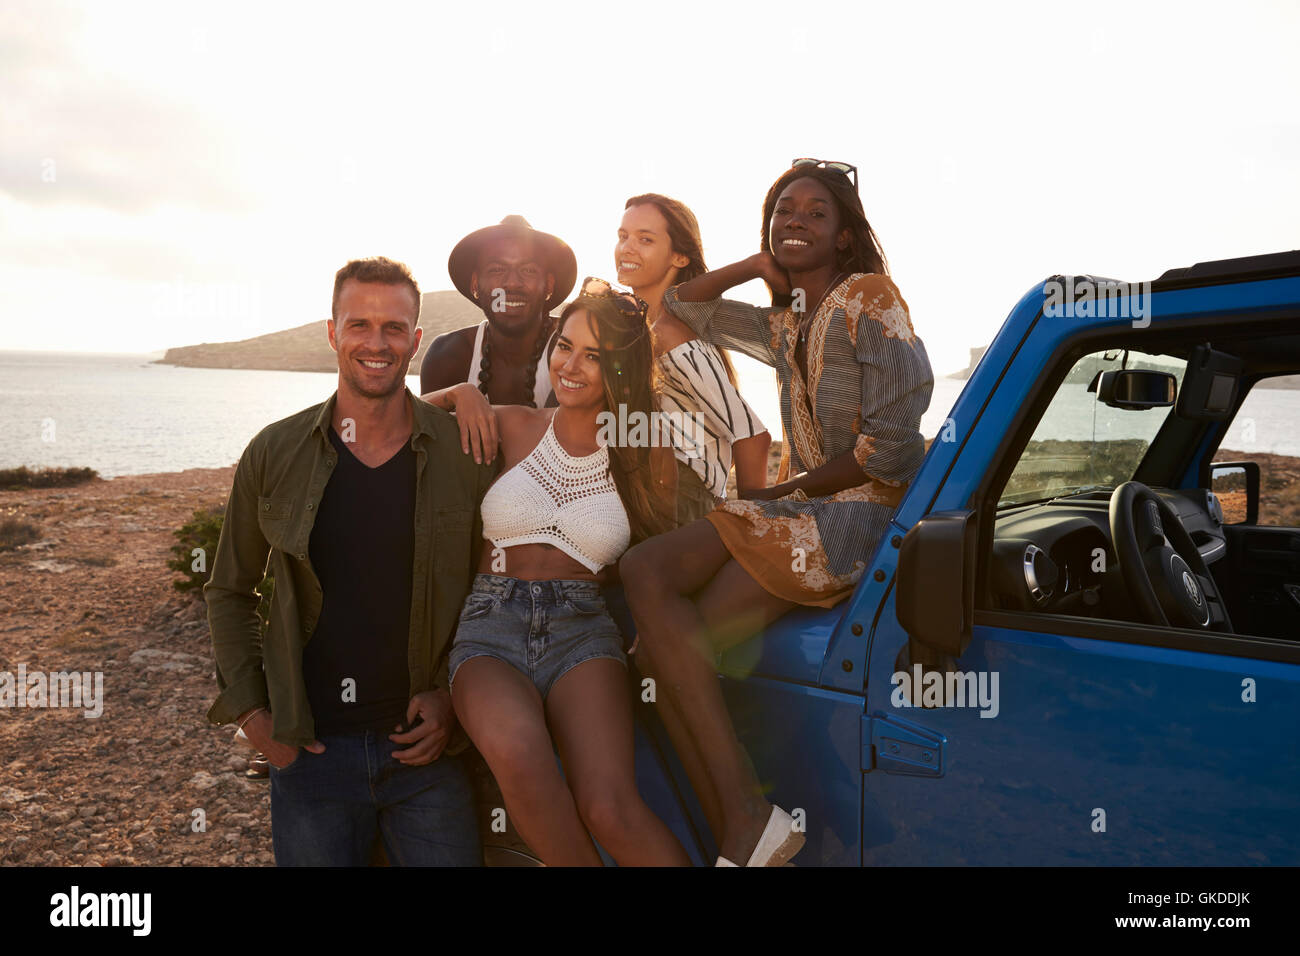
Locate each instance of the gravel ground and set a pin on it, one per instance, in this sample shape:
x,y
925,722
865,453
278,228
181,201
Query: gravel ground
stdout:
x,y
148,782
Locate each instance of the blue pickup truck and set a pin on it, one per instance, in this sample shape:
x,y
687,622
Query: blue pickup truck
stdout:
x,y
1078,643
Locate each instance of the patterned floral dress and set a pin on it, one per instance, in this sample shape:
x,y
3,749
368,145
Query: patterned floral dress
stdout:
x,y
869,381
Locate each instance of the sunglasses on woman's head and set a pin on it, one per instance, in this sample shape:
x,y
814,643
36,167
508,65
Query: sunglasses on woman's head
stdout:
x,y
848,169
628,303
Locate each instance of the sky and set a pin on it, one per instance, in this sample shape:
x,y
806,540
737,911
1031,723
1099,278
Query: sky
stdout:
x,y
173,174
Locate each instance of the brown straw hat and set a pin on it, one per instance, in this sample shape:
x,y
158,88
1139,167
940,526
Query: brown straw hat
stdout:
x,y
559,258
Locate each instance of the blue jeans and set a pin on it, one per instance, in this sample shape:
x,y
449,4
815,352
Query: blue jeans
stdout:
x,y
543,629
326,808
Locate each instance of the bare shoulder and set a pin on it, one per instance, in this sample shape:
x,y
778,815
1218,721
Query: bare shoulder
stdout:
x,y
457,345
521,428
447,360
670,332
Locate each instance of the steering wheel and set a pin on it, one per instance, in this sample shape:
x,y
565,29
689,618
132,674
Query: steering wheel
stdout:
x,y
1162,569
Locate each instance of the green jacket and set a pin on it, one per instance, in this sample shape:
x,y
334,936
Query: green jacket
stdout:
x,y
278,485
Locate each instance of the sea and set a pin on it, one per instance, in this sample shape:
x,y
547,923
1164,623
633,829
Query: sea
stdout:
x,y
125,415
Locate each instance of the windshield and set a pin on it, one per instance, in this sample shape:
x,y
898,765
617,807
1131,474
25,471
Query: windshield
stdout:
x,y
1081,443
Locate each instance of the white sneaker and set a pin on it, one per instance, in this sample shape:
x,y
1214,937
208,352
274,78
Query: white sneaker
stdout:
x,y
779,842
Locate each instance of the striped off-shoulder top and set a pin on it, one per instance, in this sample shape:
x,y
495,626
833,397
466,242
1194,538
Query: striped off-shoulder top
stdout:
x,y
705,412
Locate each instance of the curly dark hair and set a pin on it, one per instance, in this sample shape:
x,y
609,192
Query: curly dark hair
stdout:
x,y
864,253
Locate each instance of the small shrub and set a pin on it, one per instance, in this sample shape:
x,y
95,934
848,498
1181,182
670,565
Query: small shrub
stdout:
x,y
15,532
203,530
16,479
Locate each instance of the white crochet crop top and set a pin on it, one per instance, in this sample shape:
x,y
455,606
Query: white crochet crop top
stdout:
x,y
553,498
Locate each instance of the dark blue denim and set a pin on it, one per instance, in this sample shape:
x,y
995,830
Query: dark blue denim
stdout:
x,y
326,808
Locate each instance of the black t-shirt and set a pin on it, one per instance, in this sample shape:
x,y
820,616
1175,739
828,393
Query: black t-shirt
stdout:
x,y
362,548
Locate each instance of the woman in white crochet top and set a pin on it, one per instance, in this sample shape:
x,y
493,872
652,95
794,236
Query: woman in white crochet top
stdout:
x,y
537,660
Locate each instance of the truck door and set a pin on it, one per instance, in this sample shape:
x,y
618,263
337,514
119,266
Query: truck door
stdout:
x,y
1096,744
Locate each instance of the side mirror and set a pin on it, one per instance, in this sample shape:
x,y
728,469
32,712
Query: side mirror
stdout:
x,y
1236,485
935,600
1136,388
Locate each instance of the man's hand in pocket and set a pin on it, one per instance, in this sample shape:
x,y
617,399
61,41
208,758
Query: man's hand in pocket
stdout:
x,y
258,730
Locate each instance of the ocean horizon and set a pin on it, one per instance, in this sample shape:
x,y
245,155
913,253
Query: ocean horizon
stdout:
x,y
125,414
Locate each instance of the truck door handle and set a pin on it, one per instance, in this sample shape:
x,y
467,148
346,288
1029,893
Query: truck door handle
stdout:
x,y
899,746
1293,590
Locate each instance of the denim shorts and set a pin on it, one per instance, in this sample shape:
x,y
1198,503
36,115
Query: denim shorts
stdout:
x,y
543,629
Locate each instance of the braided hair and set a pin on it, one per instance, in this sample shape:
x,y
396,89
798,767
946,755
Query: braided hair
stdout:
x,y
530,375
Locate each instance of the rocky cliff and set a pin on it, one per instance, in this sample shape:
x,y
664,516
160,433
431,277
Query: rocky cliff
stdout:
x,y
305,349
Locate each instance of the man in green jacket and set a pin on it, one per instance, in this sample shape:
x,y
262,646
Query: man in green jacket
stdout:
x,y
367,508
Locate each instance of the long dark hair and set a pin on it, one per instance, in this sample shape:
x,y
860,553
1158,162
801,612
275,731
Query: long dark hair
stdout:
x,y
629,378
684,239
864,253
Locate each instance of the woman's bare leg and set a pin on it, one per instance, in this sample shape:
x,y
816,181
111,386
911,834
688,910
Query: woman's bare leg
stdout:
x,y
591,717
502,712
660,576
684,745
735,607
702,568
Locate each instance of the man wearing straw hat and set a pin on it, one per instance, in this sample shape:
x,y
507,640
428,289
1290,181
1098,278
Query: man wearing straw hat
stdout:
x,y
516,275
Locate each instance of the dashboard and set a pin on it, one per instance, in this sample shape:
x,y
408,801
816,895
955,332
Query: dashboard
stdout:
x,y
1056,556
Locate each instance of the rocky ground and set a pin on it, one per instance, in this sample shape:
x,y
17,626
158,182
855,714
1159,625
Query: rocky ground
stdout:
x,y
131,786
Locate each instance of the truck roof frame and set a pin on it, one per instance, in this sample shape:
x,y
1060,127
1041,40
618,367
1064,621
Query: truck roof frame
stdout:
x,y
1273,265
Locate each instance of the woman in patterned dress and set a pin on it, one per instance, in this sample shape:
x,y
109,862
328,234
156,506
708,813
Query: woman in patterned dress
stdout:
x,y
855,380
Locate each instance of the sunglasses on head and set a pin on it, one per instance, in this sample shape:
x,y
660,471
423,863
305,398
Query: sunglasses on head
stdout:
x,y
848,169
627,303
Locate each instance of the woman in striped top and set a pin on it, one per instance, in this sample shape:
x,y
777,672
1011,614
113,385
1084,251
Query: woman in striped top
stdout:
x,y
710,424
855,380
